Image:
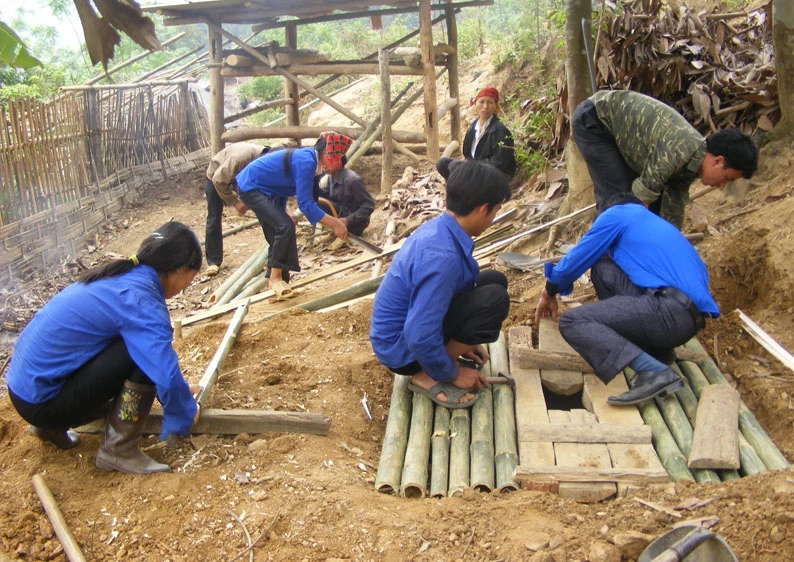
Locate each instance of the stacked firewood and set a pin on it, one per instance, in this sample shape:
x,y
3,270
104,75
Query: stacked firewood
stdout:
x,y
717,69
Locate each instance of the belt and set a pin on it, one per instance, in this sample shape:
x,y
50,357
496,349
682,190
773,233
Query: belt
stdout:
x,y
697,316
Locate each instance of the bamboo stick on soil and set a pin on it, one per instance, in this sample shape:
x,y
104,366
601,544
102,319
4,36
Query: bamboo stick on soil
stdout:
x,y
214,368
439,454
667,449
395,438
224,287
388,240
417,452
505,444
751,463
748,424
459,459
254,286
483,477
236,229
252,271
62,531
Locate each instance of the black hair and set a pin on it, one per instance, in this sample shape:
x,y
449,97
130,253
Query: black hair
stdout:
x,y
472,183
738,149
170,247
621,198
320,145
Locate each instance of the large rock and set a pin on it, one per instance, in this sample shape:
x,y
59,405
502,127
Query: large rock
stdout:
x,y
602,551
632,543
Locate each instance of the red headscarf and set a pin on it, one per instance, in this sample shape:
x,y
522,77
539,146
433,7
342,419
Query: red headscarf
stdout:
x,y
336,146
492,93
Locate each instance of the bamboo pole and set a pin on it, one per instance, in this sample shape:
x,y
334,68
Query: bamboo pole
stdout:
x,y
254,110
505,442
214,368
385,98
254,286
689,402
221,290
395,438
236,229
439,454
126,86
459,458
483,476
132,60
307,132
253,270
429,80
70,546
751,462
749,425
669,453
417,452
388,240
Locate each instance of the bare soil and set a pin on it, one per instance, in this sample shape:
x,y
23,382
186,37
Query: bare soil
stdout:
x,y
306,497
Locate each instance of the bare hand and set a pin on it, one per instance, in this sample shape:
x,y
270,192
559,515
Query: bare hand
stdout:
x,y
470,379
340,229
478,354
241,208
547,307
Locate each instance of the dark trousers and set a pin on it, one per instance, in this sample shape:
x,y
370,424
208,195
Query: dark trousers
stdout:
x,y
85,392
474,317
625,321
213,234
608,170
278,228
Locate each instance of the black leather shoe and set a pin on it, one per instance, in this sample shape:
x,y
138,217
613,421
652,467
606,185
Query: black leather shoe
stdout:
x,y
647,385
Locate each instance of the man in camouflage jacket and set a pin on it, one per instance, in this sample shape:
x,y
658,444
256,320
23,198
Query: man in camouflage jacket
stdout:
x,y
632,142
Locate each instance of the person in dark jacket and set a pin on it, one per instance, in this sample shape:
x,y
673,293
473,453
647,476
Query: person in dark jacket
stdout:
x,y
351,201
487,138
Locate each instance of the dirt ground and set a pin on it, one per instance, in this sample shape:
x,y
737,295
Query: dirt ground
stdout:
x,y
307,497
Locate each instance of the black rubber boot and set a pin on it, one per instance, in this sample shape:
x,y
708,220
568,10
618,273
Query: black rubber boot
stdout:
x,y
62,438
123,428
647,385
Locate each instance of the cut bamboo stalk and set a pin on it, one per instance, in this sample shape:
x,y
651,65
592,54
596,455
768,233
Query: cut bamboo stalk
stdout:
x,y
214,368
667,449
459,459
417,452
251,271
505,444
766,341
395,438
748,424
439,455
221,290
751,463
483,477
70,546
689,402
715,443
254,286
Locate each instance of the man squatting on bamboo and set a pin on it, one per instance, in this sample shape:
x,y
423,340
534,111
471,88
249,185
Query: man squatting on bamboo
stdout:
x,y
101,348
434,306
221,189
653,295
635,143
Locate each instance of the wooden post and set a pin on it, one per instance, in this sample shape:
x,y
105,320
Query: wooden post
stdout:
x,y
395,438
290,87
385,109
191,125
428,64
157,133
70,546
216,88
715,443
452,68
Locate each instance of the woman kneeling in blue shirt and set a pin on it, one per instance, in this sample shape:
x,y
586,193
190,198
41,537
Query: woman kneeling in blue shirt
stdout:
x,y
102,348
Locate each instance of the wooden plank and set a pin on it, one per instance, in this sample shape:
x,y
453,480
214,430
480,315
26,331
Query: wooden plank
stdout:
x,y
547,359
594,398
559,381
573,474
766,341
579,455
232,422
588,433
530,403
715,443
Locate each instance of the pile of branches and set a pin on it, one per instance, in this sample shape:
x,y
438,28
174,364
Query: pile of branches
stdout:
x,y
717,69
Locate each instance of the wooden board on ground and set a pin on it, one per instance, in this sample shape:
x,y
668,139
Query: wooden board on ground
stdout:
x,y
530,404
715,443
625,456
559,381
581,455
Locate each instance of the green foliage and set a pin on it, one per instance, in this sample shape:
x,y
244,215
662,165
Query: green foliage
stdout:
x,y
533,132
13,50
261,88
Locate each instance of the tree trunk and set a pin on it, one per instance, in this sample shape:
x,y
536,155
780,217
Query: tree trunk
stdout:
x,y
577,75
783,18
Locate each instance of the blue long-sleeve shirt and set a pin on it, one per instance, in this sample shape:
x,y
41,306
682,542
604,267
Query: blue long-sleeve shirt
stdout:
x,y
434,266
650,250
84,319
267,174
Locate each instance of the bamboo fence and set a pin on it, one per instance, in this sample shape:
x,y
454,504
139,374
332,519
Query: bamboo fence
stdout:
x,y
66,164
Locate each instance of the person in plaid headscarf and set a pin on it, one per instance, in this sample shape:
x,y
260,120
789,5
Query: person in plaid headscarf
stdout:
x,y
264,186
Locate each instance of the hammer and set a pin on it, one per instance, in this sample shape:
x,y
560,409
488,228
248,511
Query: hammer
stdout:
x,y
502,378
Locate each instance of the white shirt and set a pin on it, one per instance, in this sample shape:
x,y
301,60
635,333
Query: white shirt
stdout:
x,y
479,129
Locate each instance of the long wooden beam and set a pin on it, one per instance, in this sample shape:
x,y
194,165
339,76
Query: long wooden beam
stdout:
x,y
306,132
320,69
589,474
589,433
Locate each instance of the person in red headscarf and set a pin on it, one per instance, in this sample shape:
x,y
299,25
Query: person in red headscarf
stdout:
x,y
487,138
264,186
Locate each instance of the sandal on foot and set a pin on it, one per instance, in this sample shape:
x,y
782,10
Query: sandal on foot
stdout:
x,y
454,394
283,291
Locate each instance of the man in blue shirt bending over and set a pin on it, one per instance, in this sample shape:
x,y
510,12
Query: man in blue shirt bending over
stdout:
x,y
434,306
653,294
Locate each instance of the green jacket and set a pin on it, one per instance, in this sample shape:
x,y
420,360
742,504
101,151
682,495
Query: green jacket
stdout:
x,y
657,143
